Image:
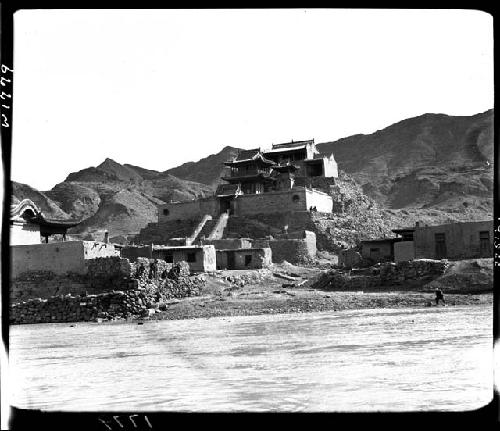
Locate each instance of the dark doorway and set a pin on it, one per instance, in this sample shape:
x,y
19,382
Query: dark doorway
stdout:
x,y
484,244
230,260
225,205
440,241
375,254
315,170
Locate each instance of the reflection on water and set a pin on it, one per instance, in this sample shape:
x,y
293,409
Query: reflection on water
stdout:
x,y
364,360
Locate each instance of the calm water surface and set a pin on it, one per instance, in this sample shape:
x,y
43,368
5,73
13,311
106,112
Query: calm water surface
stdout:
x,y
365,360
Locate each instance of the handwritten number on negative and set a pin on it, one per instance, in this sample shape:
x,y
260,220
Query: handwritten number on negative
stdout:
x,y
109,423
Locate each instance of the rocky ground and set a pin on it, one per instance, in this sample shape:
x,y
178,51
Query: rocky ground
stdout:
x,y
286,289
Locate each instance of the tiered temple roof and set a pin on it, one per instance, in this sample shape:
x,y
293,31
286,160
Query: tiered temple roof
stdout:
x,y
250,156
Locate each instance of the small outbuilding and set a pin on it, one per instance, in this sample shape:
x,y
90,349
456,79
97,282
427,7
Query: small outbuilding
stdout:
x,y
200,258
378,250
244,258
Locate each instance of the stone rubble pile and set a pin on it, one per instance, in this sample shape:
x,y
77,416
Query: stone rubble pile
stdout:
x,y
382,275
411,270
150,293
336,280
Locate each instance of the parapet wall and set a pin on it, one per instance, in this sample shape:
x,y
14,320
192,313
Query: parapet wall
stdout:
x,y
296,199
414,269
58,257
229,243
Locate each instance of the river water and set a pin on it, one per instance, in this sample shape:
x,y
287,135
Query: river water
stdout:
x,y
365,360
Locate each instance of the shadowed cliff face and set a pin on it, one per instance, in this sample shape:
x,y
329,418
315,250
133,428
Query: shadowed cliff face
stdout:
x,y
430,162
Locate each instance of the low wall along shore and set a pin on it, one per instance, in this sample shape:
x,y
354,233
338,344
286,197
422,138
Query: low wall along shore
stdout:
x,y
424,270
116,289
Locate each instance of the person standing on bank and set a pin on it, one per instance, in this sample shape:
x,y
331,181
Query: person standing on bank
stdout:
x,y
439,296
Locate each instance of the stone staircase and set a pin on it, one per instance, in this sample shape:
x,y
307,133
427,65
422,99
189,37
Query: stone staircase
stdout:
x,y
217,231
205,232
199,229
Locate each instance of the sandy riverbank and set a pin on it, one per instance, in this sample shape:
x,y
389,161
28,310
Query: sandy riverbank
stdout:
x,y
263,293
303,301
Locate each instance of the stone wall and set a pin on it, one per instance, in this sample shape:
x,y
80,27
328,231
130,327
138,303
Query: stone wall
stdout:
x,y
99,275
350,258
152,289
112,272
271,202
44,284
410,270
292,250
189,209
424,271
461,239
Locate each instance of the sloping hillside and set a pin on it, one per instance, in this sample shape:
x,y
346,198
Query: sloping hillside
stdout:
x,y
433,160
119,198
208,170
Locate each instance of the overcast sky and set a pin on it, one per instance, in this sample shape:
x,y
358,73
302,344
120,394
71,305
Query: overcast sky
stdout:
x,y
157,88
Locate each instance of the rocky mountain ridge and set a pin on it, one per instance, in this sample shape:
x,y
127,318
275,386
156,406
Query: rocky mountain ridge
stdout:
x,y
433,162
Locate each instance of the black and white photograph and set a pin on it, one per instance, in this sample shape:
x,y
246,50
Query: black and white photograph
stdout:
x,y
247,211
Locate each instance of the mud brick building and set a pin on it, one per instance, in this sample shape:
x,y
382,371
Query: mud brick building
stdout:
x,y
454,241
466,240
200,258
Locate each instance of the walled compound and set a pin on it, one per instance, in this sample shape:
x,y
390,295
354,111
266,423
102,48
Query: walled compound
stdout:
x,y
270,197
